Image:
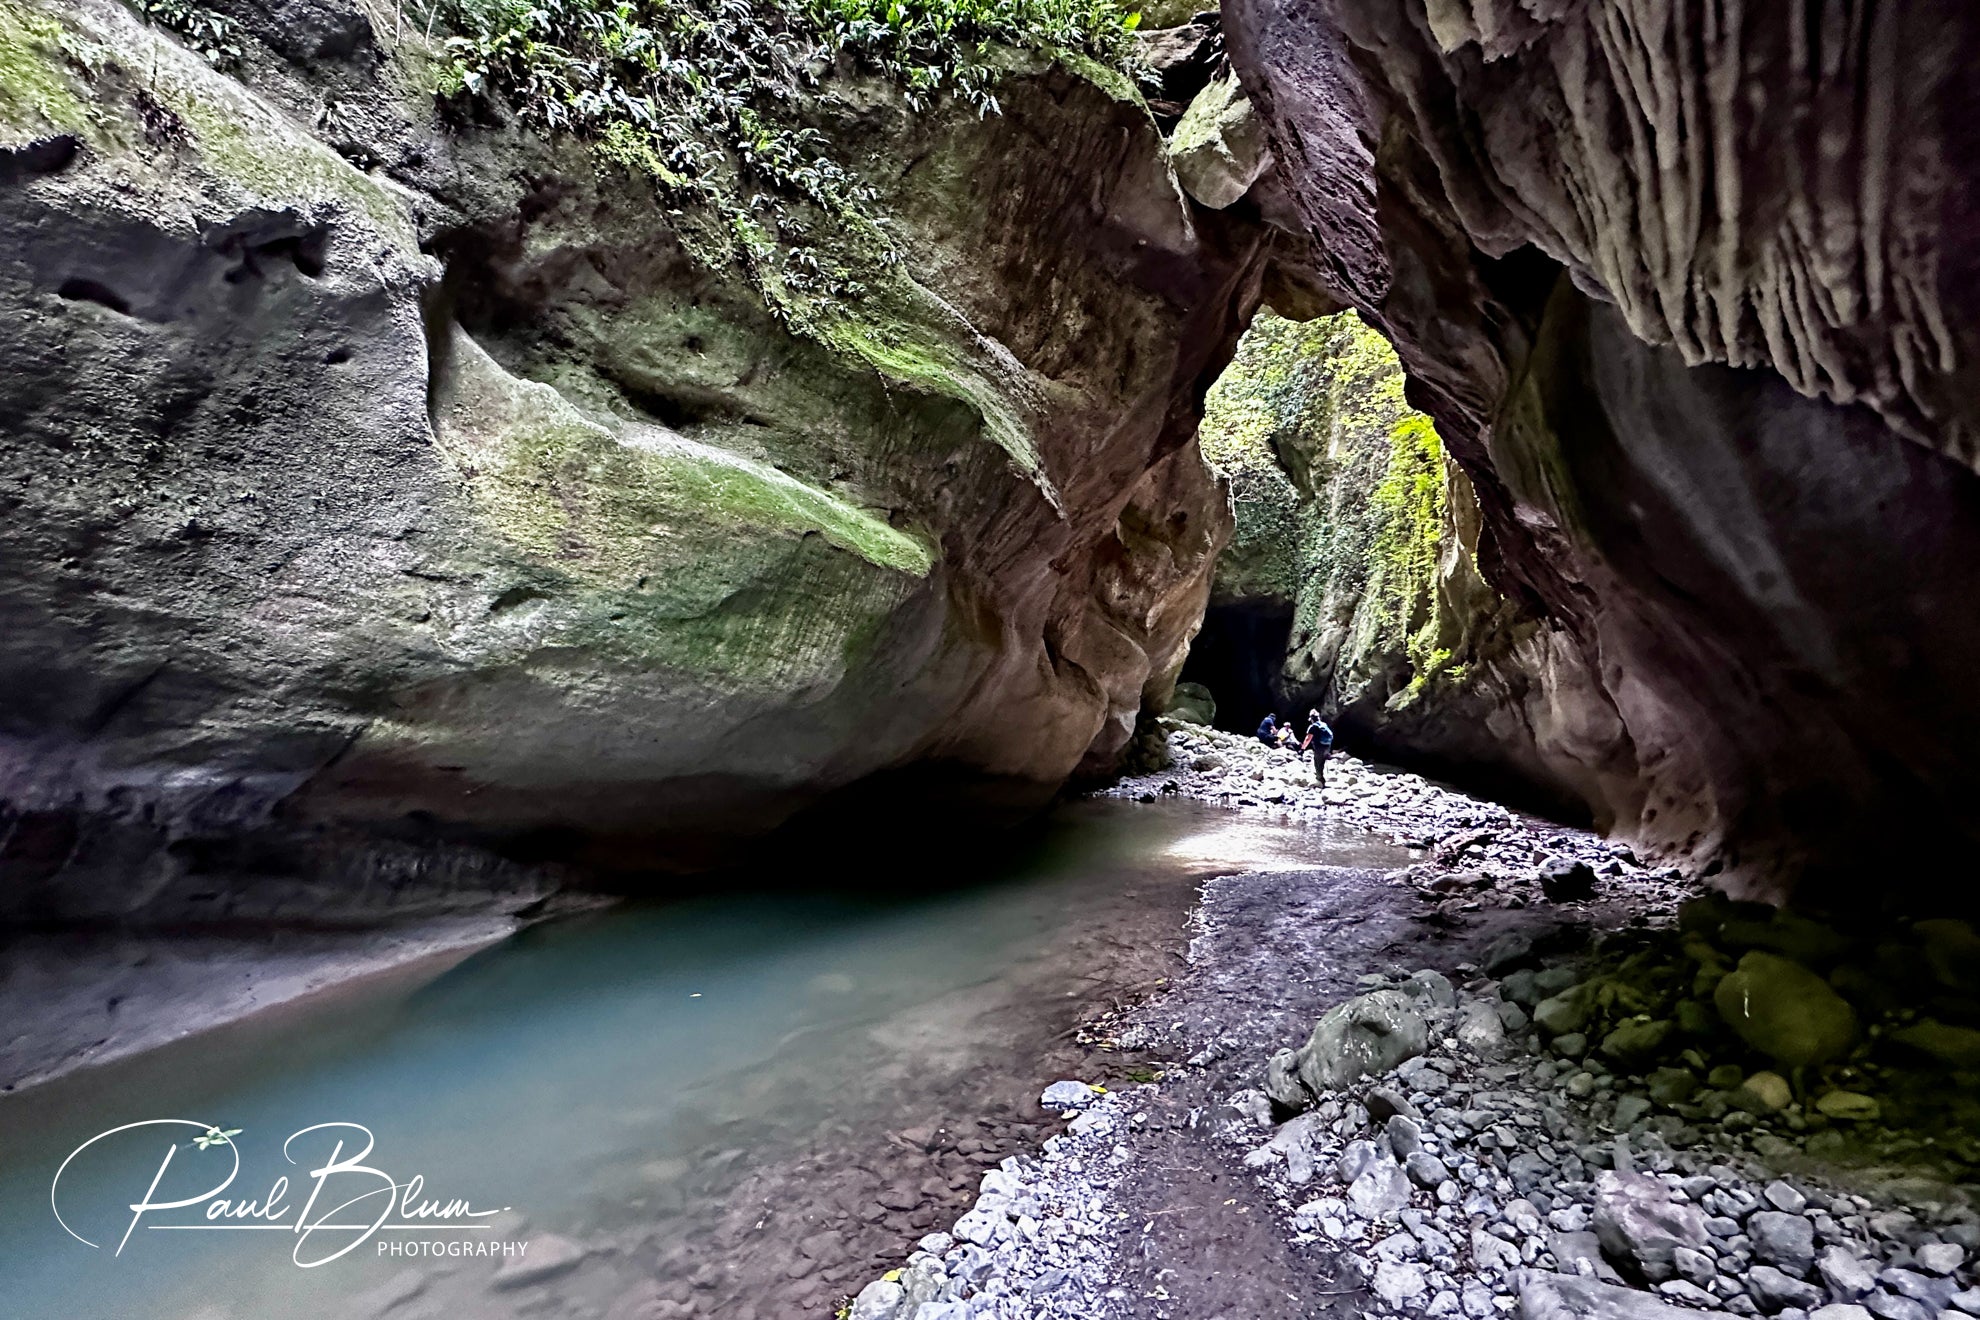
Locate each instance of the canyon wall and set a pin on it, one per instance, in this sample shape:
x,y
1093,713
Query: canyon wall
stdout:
x,y
394,503
1687,288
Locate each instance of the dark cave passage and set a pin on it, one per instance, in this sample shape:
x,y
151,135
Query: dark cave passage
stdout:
x,y
1238,656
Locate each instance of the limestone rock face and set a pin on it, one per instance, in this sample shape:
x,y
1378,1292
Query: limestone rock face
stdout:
x,y
367,522
1705,353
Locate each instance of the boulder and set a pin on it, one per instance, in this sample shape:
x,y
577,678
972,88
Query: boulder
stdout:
x,y
1433,987
1672,1086
1641,1227
1482,1027
1426,1170
1949,1046
1849,1106
1764,1093
1191,703
1566,1013
1789,934
1568,1297
1401,1286
1636,1043
1785,1011
1381,1191
1566,881
1067,1095
1846,1277
1776,1291
1940,1257
882,1299
1385,1102
1952,951
1219,150
1783,1240
1282,1085
1367,1035
1356,1160
1508,953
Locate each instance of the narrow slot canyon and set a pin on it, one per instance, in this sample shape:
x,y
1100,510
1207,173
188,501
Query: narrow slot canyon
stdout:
x,y
907,660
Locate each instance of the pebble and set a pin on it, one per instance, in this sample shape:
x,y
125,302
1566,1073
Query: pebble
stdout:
x,y
1067,1095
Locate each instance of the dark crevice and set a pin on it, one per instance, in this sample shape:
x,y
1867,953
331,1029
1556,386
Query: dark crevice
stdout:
x,y
1239,656
262,242
682,408
79,288
30,160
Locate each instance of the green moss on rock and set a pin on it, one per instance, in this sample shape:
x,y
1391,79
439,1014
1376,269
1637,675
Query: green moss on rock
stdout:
x,y
37,88
565,488
245,143
900,352
1340,496
661,550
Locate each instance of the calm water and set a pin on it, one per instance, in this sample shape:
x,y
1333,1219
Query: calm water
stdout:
x,y
608,1079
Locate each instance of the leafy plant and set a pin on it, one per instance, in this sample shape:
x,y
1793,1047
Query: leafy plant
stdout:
x,y
703,98
204,32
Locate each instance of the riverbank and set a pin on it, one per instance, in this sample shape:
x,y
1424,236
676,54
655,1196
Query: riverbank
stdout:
x,y
75,1000
741,1105
1531,1136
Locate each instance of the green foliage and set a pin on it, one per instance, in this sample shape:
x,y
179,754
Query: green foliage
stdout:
x,y
704,98
1408,542
36,89
1340,491
204,32
1274,404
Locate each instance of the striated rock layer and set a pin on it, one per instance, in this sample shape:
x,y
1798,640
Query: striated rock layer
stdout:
x,y
1688,290
354,514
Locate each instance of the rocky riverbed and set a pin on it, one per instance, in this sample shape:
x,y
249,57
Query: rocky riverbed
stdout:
x,y
1523,1075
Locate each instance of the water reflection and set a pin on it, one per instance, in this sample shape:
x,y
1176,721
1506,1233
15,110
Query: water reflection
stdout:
x,y
613,1078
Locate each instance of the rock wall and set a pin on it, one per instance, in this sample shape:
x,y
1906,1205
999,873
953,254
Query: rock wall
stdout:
x,y
1688,292
389,504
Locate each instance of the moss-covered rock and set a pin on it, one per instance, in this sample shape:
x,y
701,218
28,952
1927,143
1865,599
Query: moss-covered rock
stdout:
x,y
380,473
1219,148
1785,1011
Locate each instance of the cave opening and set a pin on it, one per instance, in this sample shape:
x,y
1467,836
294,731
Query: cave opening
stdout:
x,y
1349,583
1239,657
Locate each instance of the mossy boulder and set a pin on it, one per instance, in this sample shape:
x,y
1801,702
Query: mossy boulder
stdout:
x,y
1785,1011
1219,149
1943,1043
1193,703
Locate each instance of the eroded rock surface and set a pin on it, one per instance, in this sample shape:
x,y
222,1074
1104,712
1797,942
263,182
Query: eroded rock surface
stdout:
x,y
375,488
1689,294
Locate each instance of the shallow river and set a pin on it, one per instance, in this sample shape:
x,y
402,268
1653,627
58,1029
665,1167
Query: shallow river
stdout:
x,y
733,1106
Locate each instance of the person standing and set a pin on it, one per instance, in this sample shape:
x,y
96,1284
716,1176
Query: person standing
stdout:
x,y
1320,740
